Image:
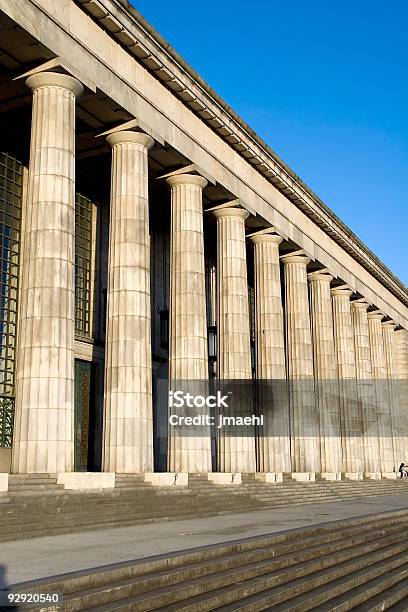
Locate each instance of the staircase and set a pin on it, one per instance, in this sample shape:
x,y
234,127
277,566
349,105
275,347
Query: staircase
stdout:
x,y
355,564
29,484
37,505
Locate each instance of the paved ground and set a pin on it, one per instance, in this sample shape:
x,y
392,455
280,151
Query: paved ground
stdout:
x,y
53,555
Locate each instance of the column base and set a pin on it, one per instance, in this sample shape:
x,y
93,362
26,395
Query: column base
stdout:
x,y
5,460
389,475
304,476
330,475
86,480
225,477
4,480
269,476
354,475
167,479
372,475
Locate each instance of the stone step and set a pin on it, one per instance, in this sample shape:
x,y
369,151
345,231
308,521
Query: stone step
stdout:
x,y
232,586
35,509
331,589
300,486
124,504
34,475
38,488
380,587
68,496
75,524
27,479
127,516
257,562
17,501
297,570
394,598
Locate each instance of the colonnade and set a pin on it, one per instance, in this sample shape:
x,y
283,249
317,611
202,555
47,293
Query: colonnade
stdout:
x,y
310,333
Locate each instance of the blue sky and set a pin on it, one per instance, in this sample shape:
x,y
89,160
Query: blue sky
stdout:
x,y
325,84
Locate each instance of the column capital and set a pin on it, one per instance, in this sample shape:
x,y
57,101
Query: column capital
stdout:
x,y
187,179
341,292
375,315
296,257
262,238
55,79
220,213
320,276
130,136
389,325
361,304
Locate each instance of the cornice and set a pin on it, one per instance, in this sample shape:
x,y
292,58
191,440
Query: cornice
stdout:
x,y
132,31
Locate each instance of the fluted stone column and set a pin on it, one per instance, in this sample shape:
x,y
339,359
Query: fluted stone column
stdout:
x,y
401,347
388,328
128,361
188,358
325,370
385,434
274,444
43,432
304,416
235,454
351,417
366,392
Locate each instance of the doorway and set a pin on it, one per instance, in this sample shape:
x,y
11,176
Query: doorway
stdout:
x,y
82,407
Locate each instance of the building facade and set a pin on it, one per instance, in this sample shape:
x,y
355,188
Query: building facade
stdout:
x,y
148,234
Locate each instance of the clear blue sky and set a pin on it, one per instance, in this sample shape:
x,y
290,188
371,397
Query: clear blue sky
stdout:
x,y
325,84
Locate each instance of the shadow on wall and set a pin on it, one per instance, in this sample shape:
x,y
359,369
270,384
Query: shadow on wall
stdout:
x,y
5,591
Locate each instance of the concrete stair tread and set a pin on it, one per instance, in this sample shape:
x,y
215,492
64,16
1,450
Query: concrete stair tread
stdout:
x,y
229,585
284,542
35,488
34,477
270,591
127,504
267,556
395,599
373,591
342,592
319,598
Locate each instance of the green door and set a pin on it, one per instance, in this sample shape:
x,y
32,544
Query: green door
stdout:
x,y
81,416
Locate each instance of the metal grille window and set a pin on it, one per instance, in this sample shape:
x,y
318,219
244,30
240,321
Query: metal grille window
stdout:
x,y
11,186
251,304
252,330
83,250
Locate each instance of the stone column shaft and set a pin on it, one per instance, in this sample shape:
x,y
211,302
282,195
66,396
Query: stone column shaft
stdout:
x,y
235,454
274,444
128,365
304,417
351,413
188,354
401,347
385,435
388,328
325,369
43,433
234,355
366,392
